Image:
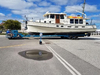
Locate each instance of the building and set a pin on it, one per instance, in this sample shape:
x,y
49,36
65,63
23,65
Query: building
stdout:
x,y
97,32
1,24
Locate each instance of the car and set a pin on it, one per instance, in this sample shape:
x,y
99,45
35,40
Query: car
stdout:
x,y
0,31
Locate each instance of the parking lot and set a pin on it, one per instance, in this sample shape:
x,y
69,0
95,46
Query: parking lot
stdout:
x,y
54,57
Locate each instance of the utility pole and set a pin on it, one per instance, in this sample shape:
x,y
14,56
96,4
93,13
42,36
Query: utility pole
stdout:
x,y
83,7
26,23
91,21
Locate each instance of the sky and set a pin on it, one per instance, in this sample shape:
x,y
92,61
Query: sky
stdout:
x,y
17,9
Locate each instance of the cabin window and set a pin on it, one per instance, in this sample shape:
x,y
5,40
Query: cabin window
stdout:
x,y
52,16
62,26
71,21
49,21
57,16
47,16
57,25
61,16
81,21
76,21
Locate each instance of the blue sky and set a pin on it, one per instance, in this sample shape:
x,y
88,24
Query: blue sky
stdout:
x,y
17,9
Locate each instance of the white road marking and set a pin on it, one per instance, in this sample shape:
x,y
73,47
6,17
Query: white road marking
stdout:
x,y
72,70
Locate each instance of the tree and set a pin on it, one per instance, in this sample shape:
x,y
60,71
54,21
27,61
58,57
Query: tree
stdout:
x,y
1,27
12,24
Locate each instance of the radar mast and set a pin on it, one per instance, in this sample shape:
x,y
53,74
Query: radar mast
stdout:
x,y
83,7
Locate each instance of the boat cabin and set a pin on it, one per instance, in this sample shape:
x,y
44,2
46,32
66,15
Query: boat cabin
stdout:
x,y
54,17
75,19
61,18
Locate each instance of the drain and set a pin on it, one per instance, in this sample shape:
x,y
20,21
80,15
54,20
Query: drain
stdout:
x,y
36,54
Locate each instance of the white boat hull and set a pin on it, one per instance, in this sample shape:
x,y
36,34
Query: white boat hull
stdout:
x,y
52,28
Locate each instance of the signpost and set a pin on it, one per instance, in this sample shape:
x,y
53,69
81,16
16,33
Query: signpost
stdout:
x,y
40,42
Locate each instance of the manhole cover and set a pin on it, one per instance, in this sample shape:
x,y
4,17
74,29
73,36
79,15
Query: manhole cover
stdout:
x,y
36,54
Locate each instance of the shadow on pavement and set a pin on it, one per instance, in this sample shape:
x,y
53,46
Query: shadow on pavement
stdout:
x,y
88,38
36,54
19,39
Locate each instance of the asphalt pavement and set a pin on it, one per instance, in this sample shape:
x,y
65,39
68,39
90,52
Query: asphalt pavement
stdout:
x,y
54,57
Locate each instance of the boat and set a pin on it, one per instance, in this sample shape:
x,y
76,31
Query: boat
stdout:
x,y
60,23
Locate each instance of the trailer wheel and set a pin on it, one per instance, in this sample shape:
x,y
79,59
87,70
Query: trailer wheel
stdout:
x,y
20,36
62,37
89,34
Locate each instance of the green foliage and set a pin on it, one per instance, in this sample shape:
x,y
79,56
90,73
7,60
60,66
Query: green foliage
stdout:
x,y
12,24
2,27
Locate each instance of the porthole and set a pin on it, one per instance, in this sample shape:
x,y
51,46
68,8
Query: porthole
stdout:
x,y
57,25
49,21
44,21
62,26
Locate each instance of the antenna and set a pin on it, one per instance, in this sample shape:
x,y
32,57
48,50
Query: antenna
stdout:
x,y
81,13
83,7
26,17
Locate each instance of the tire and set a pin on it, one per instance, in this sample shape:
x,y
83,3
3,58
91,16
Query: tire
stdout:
x,y
89,34
62,37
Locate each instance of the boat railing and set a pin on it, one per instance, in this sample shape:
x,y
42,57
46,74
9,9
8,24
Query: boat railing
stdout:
x,y
90,24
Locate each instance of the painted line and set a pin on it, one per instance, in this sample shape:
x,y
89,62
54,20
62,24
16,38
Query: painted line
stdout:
x,y
62,62
68,66
12,46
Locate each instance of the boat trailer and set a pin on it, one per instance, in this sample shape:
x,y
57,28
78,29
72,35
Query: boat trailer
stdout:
x,y
16,34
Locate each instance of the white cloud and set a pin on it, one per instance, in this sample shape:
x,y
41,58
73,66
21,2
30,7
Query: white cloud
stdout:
x,y
94,21
59,2
71,2
44,3
91,8
4,17
9,15
73,15
1,14
64,2
16,4
88,8
33,0
94,16
37,13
